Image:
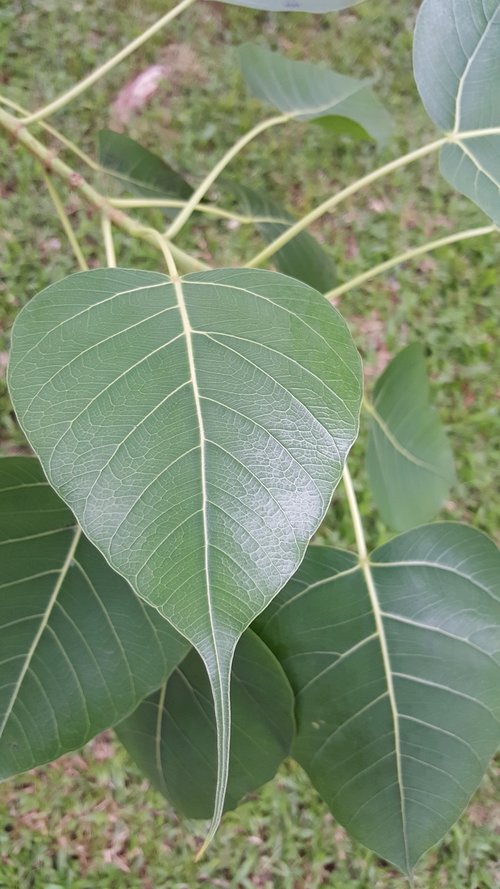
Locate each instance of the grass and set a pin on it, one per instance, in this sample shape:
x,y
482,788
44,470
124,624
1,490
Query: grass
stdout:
x,y
90,820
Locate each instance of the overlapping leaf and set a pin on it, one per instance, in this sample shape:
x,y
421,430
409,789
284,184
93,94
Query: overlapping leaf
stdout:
x,y
78,649
139,170
173,738
409,459
457,69
312,92
303,257
197,428
397,682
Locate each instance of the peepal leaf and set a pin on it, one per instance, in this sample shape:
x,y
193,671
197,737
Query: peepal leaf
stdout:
x,y
409,458
303,257
294,5
172,735
139,170
398,686
312,92
78,648
197,428
457,69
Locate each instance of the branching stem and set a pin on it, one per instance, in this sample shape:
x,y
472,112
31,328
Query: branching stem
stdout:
x,y
66,224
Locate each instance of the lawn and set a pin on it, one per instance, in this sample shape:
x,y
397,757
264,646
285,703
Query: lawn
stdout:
x,y
90,819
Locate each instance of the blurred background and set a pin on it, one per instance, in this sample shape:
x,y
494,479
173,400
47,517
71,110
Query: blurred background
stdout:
x,y
90,819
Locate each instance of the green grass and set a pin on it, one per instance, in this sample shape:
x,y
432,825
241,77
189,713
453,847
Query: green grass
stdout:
x,y
85,821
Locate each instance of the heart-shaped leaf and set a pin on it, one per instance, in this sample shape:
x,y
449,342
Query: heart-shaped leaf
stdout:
x,y
409,459
311,92
197,428
78,648
303,257
139,170
172,735
457,69
397,683
294,5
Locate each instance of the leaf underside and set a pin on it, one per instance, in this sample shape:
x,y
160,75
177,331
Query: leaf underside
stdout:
x,y
78,649
197,429
172,735
457,69
398,692
294,5
409,459
312,92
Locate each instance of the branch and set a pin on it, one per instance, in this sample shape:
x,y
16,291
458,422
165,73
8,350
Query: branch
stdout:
x,y
410,254
82,85
337,199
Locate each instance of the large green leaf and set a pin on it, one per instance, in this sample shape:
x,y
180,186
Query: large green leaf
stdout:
x,y
397,683
172,735
78,649
457,69
312,92
197,428
294,5
139,170
303,257
409,459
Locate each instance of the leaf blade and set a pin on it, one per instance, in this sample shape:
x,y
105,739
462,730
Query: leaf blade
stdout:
x,y
409,459
436,593
174,486
73,634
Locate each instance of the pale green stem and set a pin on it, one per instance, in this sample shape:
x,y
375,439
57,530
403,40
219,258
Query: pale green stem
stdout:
x,y
57,135
458,135
209,209
94,198
107,236
337,199
66,224
407,255
209,180
99,72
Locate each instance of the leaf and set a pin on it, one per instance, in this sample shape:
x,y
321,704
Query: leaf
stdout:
x,y
303,257
457,69
294,5
172,735
409,459
139,170
197,428
397,687
312,92
78,648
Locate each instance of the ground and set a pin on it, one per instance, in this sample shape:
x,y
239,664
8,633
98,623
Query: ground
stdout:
x,y
90,819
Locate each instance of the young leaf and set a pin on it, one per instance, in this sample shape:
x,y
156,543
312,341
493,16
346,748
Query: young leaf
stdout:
x,y
294,5
457,69
198,428
172,735
311,92
139,170
79,650
398,686
409,459
303,257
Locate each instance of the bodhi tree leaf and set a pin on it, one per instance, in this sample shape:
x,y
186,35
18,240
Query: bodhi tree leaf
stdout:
x,y
78,648
294,5
397,682
457,69
197,427
141,171
303,257
409,458
311,92
172,735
